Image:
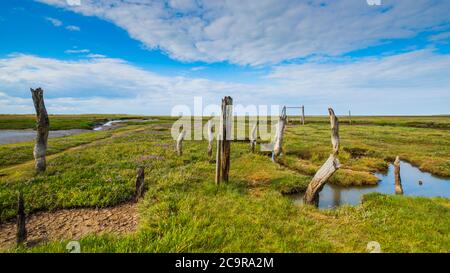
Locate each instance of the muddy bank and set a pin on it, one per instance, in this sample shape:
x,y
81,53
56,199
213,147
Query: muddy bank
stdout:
x,y
72,224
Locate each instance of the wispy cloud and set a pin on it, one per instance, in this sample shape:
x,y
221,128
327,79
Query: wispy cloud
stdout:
x,y
96,56
55,22
76,51
198,68
73,28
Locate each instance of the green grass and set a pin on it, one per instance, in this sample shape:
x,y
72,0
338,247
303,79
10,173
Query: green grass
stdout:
x,y
184,211
12,154
440,122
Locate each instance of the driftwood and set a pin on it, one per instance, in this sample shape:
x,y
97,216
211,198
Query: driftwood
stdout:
x,y
327,169
398,180
253,137
21,235
279,135
140,182
43,126
224,141
210,126
180,139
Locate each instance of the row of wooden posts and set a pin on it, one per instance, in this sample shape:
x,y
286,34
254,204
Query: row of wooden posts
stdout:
x,y
222,153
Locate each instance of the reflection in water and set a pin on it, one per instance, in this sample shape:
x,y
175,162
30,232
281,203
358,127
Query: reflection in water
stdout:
x,y
414,181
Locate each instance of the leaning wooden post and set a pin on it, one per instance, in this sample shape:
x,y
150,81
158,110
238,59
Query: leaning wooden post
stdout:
x,y
398,180
210,126
328,169
140,182
180,142
224,141
303,115
279,135
43,126
253,137
21,235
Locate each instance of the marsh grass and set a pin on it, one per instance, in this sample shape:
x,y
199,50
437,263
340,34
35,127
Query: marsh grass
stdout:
x,y
184,211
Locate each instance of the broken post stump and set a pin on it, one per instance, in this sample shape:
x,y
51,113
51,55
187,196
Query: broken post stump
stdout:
x,y
21,235
140,183
279,135
224,141
253,137
43,126
328,169
303,115
349,117
180,139
398,180
210,126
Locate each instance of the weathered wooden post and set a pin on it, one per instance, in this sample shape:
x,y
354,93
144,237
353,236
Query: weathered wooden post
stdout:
x,y
279,135
210,126
328,169
43,126
180,141
350,117
224,141
253,137
398,180
21,235
303,115
140,182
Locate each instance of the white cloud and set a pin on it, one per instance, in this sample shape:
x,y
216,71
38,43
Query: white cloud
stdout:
x,y
266,31
415,82
54,22
98,84
73,28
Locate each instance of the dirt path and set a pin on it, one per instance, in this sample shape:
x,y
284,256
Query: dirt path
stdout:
x,y
72,224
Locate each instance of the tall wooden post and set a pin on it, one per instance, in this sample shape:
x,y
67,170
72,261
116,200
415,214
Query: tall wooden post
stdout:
x,y
303,115
398,180
140,180
43,126
328,169
21,235
224,141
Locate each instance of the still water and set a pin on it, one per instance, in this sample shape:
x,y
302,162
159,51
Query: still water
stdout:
x,y
414,182
16,136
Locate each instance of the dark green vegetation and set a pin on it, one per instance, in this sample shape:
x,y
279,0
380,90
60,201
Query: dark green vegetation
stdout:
x,y
183,210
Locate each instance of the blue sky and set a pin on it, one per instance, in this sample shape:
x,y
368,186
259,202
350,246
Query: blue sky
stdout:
x,y
145,57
